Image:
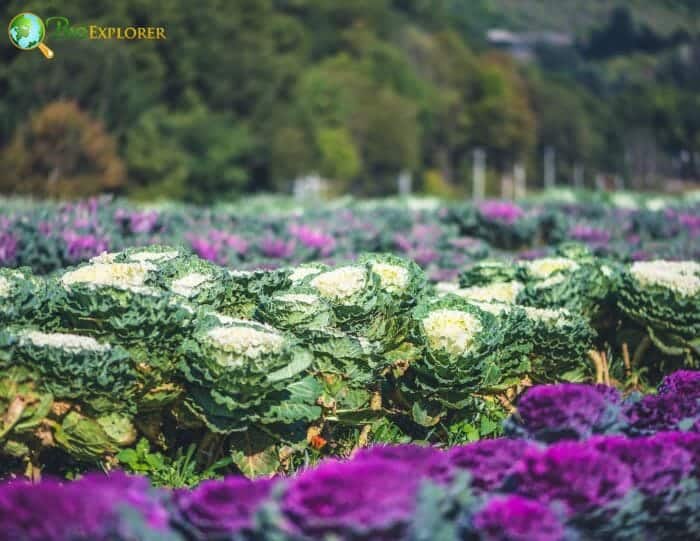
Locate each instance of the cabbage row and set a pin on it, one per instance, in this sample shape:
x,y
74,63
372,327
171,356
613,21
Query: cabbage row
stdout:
x,y
137,354
589,465
441,236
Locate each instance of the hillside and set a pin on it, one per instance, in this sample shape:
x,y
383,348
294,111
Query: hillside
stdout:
x,y
663,16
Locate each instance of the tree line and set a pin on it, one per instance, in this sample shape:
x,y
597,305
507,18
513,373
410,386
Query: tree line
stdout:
x,y
249,95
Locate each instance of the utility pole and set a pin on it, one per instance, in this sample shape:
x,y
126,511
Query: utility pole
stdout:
x,y
479,175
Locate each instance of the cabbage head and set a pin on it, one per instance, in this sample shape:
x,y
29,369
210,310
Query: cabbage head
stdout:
x,y
664,297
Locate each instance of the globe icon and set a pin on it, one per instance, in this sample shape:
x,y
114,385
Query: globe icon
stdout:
x,y
26,31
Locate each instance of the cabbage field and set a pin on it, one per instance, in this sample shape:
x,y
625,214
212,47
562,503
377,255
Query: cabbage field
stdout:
x,y
390,369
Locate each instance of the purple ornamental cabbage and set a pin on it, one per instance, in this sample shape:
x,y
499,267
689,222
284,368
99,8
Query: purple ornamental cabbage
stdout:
x,y
90,509
566,411
591,235
358,500
683,382
8,248
223,507
662,412
657,462
573,473
501,211
514,518
488,461
424,461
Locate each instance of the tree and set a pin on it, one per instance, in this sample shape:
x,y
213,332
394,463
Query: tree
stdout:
x,y
62,152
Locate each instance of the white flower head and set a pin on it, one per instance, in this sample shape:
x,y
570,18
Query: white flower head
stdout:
x,y
130,276
546,266
341,283
495,308
299,273
393,278
683,277
558,317
188,285
496,292
444,288
69,342
452,331
140,257
104,257
250,341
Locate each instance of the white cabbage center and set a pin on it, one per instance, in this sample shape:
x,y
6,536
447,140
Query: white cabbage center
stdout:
x,y
394,278
299,273
340,283
120,275
187,285
71,342
499,291
244,341
545,267
451,330
680,276
560,316
153,256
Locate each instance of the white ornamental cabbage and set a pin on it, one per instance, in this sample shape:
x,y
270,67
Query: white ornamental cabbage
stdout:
x,y
683,277
544,268
506,292
127,276
453,331
64,341
341,284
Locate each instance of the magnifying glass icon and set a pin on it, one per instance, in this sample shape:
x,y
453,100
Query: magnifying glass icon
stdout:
x,y
27,32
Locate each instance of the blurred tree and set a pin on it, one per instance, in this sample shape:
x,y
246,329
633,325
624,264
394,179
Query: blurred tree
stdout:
x,y
62,151
192,154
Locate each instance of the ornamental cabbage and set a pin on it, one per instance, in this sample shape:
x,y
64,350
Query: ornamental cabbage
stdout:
x,y
239,372
664,297
552,413
74,367
22,296
296,310
466,351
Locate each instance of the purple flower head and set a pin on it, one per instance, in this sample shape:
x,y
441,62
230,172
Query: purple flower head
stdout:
x,y
690,441
691,222
514,518
592,235
363,499
82,247
501,211
488,461
575,474
277,248
657,462
425,461
203,248
312,238
424,256
567,411
89,509
685,383
402,242
223,507
656,413
143,222
8,248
